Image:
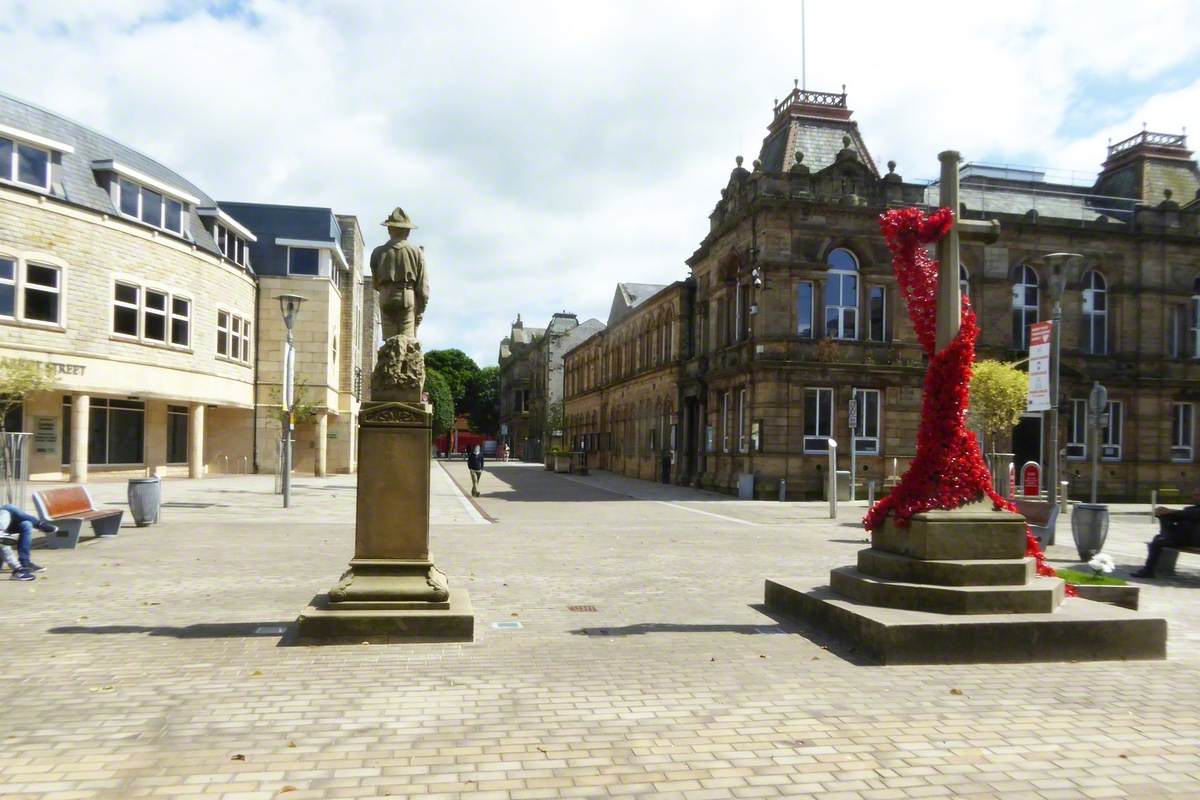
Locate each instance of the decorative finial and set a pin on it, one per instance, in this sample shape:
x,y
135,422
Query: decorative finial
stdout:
x,y
739,160
757,165
843,88
799,156
1167,193
845,141
796,83
891,166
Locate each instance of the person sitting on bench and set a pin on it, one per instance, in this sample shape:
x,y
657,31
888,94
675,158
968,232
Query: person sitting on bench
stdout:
x,y
1175,529
16,527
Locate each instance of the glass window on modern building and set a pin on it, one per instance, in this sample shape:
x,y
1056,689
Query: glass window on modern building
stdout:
x,y
1025,298
866,423
116,432
877,314
1182,432
1094,337
147,205
841,295
23,163
177,434
818,419
304,261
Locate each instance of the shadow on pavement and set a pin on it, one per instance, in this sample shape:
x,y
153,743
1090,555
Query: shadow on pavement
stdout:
x,y
675,627
204,630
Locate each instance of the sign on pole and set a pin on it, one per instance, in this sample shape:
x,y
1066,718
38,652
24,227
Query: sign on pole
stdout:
x,y
1039,366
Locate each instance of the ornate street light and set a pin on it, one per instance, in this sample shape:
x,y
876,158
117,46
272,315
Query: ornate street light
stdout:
x,y
1059,264
289,306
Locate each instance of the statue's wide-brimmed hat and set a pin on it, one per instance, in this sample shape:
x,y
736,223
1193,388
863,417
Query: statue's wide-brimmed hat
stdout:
x,y
398,219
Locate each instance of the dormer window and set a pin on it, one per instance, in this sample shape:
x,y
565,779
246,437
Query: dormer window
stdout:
x,y
145,199
25,158
231,237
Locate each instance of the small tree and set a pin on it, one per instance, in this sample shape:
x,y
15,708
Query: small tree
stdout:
x,y
20,378
998,392
440,399
483,400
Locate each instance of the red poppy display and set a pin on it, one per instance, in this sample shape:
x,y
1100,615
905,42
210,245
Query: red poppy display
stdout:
x,y
948,470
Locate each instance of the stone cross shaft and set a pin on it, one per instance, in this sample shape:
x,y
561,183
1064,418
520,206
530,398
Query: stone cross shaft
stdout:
x,y
949,300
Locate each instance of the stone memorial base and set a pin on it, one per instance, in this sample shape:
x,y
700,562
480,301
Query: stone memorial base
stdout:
x,y
392,591
956,587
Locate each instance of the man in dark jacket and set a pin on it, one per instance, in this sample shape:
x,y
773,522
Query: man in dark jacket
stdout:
x,y
475,465
1176,529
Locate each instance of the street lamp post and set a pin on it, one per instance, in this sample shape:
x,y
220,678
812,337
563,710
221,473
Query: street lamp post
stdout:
x,y
1057,263
1097,406
289,306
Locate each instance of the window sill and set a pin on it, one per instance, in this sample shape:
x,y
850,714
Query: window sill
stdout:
x,y
29,187
180,235
176,348
229,360
33,323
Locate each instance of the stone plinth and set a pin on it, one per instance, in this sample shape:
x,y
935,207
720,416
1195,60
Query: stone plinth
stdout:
x,y
956,587
392,591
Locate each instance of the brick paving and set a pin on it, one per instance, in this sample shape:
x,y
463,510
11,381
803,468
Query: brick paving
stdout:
x,y
149,665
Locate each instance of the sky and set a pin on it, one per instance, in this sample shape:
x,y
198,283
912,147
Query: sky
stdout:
x,y
549,150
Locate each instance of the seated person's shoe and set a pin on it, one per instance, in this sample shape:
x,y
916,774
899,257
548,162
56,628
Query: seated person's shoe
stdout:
x,y
1141,573
22,575
47,528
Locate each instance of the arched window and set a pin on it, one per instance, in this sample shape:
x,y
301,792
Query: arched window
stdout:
x,y
841,295
964,281
1095,314
1025,297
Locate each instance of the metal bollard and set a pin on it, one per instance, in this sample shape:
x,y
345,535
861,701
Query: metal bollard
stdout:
x,y
1063,504
782,489
870,493
1153,504
832,479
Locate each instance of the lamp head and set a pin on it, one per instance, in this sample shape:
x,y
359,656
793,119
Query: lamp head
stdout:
x,y
289,306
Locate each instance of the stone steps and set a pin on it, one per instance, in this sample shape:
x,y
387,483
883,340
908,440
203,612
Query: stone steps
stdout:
x,y
1039,596
963,572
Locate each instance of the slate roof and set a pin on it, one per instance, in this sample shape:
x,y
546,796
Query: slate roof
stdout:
x,y
580,334
819,139
629,296
76,180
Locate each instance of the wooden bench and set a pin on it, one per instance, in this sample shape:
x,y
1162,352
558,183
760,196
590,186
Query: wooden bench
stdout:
x,y
69,508
1041,516
1170,555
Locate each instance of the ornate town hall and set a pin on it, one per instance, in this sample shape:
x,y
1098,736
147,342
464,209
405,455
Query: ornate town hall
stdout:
x,y
791,313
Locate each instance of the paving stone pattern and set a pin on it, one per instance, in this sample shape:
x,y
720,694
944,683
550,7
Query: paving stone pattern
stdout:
x,y
146,665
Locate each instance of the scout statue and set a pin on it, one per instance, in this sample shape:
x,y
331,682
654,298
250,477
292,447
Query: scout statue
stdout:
x,y
398,272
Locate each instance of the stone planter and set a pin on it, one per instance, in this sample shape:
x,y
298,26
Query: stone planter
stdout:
x,y
1123,596
548,460
1089,526
562,462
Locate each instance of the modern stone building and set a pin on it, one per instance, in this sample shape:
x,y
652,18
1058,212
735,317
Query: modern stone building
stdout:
x,y
531,382
144,294
791,313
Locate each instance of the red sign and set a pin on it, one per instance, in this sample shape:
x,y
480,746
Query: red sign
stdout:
x,y
1031,479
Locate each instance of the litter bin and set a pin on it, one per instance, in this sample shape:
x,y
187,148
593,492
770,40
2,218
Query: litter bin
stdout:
x,y
145,499
1089,526
843,486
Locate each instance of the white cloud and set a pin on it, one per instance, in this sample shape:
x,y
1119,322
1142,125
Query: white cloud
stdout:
x,y
548,151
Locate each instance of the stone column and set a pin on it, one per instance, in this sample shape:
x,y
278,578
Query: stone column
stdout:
x,y
196,441
322,445
80,412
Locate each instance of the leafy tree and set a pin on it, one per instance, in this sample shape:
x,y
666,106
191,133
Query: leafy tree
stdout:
x,y
439,396
456,367
482,402
20,378
998,392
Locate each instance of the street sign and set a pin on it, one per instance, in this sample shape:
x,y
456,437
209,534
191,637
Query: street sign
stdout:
x,y
853,411
1039,366
1031,479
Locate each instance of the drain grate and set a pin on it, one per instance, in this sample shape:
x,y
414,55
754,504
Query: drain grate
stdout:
x,y
581,608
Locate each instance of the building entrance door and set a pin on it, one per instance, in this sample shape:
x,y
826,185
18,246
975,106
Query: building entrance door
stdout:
x,y
1027,441
691,438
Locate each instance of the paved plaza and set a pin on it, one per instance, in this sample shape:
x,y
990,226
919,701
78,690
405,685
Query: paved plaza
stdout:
x,y
619,650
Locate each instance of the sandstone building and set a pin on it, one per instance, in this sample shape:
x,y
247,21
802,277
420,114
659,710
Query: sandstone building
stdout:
x,y
156,305
791,313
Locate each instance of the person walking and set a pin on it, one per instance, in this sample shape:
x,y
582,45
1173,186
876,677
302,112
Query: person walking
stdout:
x,y
475,465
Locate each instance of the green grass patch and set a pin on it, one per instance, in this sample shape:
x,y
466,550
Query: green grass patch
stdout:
x,y
1074,576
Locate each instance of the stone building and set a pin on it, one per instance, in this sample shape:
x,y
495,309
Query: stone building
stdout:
x,y
791,313
318,255
143,292
531,382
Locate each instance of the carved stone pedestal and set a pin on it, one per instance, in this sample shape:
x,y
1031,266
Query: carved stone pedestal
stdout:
x,y
392,591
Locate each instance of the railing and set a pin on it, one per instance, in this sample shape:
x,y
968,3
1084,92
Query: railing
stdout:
x,y
826,99
1147,137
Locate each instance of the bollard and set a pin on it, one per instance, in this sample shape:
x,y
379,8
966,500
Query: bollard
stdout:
x,y
782,489
870,493
832,479
1153,504
1062,497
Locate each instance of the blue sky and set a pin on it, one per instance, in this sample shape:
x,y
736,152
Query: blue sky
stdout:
x,y
550,150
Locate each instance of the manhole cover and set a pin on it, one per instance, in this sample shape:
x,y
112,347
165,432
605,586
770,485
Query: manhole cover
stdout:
x,y
510,625
581,608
